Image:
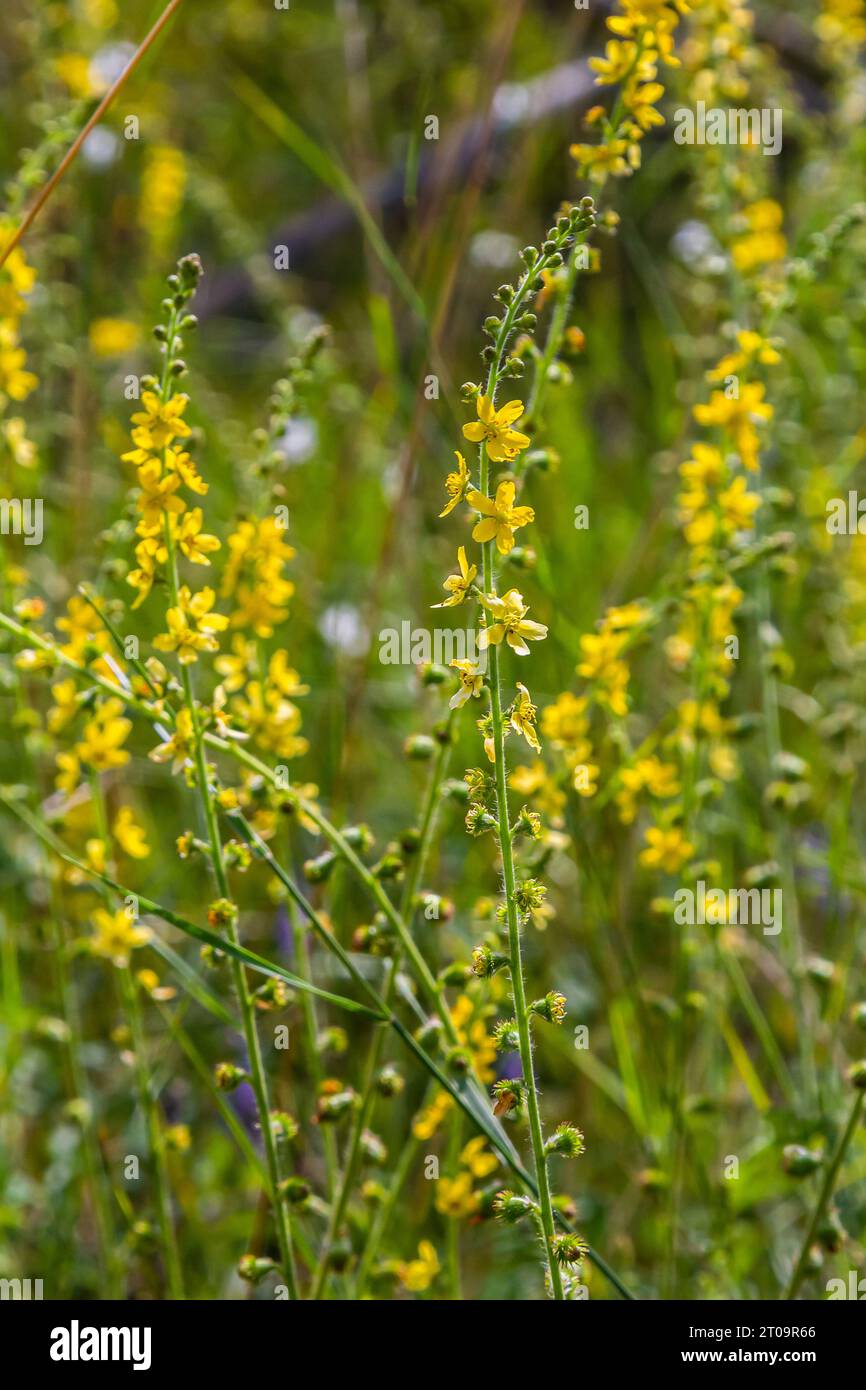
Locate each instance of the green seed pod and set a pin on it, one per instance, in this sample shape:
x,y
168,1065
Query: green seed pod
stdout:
x,y
856,1074
800,1162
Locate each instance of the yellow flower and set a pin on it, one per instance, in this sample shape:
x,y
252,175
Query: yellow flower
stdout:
x,y
427,1121
237,666
417,1275
477,1039
76,70
500,517
584,779
100,746
129,835
253,576
456,484
640,103
704,469
752,347
284,677
18,279
176,461
159,422
116,935
601,160
22,449
180,746
536,782
65,697
157,495
627,615
666,849
195,544
68,774
738,506
112,337
764,242
602,664
523,717
739,415
15,381
493,427
650,774
271,720
95,854
142,578
162,190
616,64
457,585
565,722
471,682
510,623
178,1138
192,627
454,1196
474,1157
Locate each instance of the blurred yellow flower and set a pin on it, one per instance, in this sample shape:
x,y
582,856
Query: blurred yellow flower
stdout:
x,y
129,834
113,337
116,935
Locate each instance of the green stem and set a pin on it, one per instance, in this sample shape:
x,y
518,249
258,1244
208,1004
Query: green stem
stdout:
x,y
144,1081
363,1114
155,1133
354,1153
825,1194
258,1077
380,1222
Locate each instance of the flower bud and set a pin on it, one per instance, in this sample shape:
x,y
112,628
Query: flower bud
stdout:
x,y
800,1162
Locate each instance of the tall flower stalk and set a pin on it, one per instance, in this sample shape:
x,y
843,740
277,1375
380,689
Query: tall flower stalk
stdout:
x,y
192,626
500,443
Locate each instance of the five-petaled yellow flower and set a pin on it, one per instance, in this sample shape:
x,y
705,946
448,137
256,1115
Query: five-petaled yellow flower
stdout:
x,y
417,1275
100,745
523,714
116,935
458,585
493,427
510,623
456,484
192,627
471,682
499,516
159,423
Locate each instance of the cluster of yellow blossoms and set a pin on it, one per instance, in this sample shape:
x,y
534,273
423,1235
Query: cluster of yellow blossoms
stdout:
x,y
17,279
499,519
163,469
644,39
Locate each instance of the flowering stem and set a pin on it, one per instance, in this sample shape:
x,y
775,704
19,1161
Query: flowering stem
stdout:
x,y
516,967
258,1078
514,944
